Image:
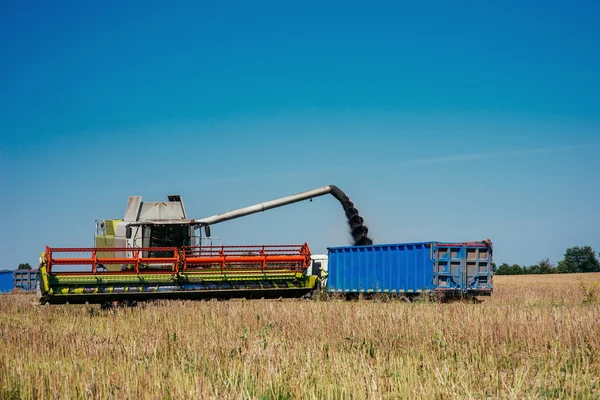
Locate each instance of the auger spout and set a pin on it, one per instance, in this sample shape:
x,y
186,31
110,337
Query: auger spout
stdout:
x,y
241,212
358,230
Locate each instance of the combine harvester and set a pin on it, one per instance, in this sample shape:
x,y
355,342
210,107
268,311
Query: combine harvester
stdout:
x,y
156,252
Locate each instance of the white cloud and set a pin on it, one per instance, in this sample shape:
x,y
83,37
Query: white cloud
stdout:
x,y
523,152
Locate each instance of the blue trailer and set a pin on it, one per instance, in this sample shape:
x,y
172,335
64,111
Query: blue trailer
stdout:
x,y
6,281
25,279
409,268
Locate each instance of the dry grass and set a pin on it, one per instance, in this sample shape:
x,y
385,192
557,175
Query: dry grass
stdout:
x,y
537,337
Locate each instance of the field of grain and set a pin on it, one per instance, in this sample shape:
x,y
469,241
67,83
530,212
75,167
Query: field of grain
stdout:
x,y
536,337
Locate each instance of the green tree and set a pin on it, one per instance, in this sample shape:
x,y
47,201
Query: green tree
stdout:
x,y
506,269
516,269
24,266
542,267
531,270
546,267
579,259
503,269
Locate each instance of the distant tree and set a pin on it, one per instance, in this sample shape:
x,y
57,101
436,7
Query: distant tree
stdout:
x,y
506,269
503,269
566,267
542,267
24,266
516,269
579,259
531,270
546,267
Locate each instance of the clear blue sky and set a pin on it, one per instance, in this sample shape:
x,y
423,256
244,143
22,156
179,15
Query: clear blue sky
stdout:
x,y
441,121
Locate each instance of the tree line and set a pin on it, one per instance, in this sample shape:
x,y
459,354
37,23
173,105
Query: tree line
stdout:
x,y
576,259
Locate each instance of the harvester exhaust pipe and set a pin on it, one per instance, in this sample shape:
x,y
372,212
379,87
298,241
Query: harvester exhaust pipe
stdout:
x,y
357,228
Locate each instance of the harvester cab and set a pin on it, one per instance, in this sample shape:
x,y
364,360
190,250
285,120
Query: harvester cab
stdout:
x,y
149,225
156,252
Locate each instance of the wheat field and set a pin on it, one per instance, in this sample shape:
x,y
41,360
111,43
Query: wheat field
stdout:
x,y
537,337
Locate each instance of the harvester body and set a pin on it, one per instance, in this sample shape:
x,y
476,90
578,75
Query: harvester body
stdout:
x,y
156,252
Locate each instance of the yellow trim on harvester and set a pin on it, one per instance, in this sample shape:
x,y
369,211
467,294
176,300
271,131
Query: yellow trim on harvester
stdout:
x,y
44,275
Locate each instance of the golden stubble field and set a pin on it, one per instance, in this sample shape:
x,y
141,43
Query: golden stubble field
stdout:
x,y
537,337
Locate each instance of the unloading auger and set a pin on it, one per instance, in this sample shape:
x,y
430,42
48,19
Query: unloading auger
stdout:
x,y
156,252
